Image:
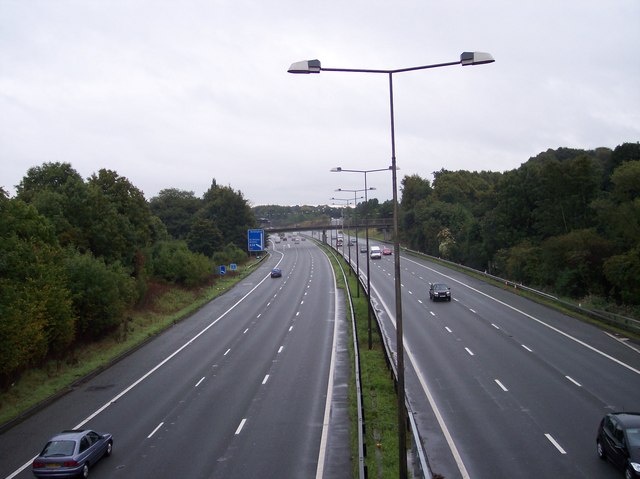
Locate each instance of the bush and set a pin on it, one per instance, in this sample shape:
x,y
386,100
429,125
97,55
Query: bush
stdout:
x,y
230,254
172,261
100,292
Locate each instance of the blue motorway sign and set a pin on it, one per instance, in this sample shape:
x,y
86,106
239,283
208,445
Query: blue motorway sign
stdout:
x,y
255,240
233,267
222,270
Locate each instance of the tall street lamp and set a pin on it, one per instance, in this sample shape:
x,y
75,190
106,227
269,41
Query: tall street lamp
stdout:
x,y
314,66
355,192
339,169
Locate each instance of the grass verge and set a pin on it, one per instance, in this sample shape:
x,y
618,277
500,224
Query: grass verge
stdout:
x,y
167,305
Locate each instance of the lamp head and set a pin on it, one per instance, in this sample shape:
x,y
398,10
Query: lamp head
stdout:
x,y
305,66
475,58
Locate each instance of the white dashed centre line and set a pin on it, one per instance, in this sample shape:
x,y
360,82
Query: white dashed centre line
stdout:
x,y
198,383
241,426
502,386
555,443
155,430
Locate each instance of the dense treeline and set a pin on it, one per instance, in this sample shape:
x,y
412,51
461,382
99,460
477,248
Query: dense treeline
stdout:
x,y
567,221
75,255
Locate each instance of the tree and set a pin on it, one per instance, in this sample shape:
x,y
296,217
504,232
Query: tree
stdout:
x,y
36,317
230,213
100,292
177,209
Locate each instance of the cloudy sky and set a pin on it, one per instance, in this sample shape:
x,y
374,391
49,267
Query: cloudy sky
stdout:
x,y
174,94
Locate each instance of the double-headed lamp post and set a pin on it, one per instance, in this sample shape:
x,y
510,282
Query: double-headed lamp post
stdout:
x,y
339,169
314,66
355,192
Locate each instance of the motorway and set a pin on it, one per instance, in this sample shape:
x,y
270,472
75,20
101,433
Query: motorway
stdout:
x,y
240,389
500,386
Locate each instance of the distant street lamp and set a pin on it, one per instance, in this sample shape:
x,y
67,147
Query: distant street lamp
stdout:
x,y
314,66
348,200
356,227
339,169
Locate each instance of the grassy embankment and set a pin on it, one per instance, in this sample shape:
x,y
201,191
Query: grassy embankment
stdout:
x,y
164,306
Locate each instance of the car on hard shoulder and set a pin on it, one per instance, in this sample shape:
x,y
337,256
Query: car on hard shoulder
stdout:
x,y
276,273
618,441
72,453
439,291
386,251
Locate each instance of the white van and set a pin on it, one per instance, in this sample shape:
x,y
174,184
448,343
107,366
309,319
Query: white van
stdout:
x,y
375,252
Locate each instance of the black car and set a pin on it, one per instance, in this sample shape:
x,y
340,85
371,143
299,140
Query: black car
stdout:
x,y
276,273
71,453
439,291
618,441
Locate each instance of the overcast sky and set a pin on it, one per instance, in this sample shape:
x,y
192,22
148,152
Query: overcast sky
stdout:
x,y
173,94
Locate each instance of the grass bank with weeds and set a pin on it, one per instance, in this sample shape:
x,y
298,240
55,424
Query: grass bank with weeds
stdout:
x,y
164,306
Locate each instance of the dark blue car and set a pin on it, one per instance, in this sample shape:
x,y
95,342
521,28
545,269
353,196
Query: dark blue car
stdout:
x,y
276,273
72,453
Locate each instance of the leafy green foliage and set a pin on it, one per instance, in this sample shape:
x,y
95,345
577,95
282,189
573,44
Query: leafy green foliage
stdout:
x,y
100,292
36,317
172,261
567,220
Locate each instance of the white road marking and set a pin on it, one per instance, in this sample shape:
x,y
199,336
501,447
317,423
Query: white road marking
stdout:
x,y
555,443
155,430
469,351
573,381
242,423
539,321
198,383
502,386
266,378
528,349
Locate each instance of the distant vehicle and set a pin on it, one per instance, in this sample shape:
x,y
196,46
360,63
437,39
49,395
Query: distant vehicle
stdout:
x,y
284,238
363,248
276,273
439,291
618,440
304,239
352,242
72,453
277,239
386,251
375,252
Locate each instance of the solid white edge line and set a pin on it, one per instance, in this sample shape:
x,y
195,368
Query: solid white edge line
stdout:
x,y
327,405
